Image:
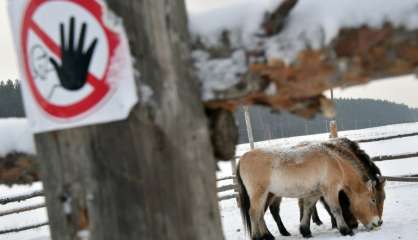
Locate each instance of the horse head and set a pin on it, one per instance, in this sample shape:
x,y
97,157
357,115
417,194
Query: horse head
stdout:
x,y
363,204
380,194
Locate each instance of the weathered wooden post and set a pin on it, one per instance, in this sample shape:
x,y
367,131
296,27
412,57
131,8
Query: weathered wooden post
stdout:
x,y
333,128
151,176
249,126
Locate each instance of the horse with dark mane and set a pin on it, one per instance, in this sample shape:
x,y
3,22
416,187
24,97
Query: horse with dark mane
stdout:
x,y
263,173
351,152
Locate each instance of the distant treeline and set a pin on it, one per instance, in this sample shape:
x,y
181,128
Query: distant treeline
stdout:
x,y
10,99
351,114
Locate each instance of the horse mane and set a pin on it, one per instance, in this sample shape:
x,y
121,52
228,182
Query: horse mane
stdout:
x,y
361,159
347,155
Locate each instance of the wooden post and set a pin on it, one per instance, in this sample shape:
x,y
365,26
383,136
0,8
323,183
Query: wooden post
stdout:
x,y
249,127
333,128
234,180
151,176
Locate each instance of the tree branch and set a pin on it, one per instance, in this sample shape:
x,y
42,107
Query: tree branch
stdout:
x,y
235,72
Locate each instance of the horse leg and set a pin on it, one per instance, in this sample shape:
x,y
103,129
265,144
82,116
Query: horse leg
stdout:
x,y
333,221
275,212
347,214
308,207
332,199
315,217
300,203
345,207
259,229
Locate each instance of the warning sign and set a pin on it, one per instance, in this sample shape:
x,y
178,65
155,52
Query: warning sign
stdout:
x,y
75,63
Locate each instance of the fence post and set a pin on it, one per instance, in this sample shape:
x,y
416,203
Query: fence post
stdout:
x,y
151,176
249,126
333,124
333,129
234,180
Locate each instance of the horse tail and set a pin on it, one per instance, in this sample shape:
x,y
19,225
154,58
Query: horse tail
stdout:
x,y
244,201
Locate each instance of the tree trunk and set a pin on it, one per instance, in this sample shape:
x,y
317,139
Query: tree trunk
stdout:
x,y
153,175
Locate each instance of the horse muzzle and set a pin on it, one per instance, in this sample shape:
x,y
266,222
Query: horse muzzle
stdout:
x,y
375,223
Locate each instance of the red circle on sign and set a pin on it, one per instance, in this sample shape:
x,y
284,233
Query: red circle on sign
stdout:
x,y
100,86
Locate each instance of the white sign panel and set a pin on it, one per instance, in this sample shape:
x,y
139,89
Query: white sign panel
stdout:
x,y
74,61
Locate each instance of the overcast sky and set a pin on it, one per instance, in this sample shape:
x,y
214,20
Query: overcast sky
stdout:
x,y
403,90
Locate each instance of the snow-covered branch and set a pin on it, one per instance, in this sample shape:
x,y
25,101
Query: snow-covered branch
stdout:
x,y
286,53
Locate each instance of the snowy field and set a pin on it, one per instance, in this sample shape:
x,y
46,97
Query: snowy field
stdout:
x,y
400,219
401,207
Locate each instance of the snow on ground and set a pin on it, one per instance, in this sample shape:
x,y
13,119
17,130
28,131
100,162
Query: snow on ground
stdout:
x,y
400,219
15,136
392,147
401,208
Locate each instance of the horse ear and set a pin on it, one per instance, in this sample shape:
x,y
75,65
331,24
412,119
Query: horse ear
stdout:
x,y
382,180
369,185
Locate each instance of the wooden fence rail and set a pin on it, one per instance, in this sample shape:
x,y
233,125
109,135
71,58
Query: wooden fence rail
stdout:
x,y
387,138
226,178
227,197
394,157
21,198
402,179
15,230
227,188
23,209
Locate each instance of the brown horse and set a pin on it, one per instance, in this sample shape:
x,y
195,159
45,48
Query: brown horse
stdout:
x,y
306,171
351,152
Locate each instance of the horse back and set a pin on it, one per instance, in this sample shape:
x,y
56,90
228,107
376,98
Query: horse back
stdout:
x,y
295,172
255,168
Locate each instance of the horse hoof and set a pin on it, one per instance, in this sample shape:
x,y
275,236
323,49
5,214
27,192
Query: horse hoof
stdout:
x,y
307,235
285,233
268,236
346,231
334,224
305,231
318,222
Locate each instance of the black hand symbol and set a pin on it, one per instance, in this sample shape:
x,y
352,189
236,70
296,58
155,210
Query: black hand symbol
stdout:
x,y
75,63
